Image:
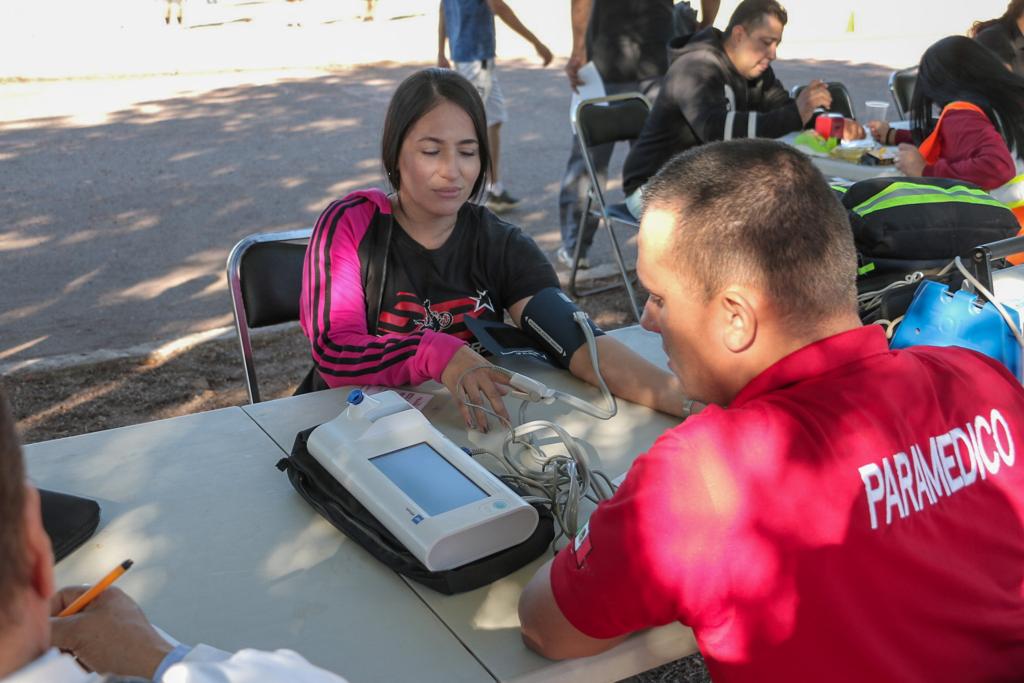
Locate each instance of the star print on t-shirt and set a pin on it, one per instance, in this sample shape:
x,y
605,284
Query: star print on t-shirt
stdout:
x,y
482,301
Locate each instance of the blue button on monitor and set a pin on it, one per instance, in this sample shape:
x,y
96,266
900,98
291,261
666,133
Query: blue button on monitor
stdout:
x,y
500,505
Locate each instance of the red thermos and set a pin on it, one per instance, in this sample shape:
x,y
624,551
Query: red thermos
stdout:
x,y
829,125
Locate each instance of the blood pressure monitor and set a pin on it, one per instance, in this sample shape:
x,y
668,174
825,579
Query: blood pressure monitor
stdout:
x,y
446,508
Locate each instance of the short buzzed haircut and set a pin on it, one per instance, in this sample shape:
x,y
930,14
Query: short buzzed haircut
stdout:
x,y
751,13
759,212
13,559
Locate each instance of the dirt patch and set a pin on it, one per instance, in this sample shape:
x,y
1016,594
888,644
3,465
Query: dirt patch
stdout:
x,y
85,398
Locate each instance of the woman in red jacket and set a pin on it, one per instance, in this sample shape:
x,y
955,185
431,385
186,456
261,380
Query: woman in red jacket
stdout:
x,y
980,132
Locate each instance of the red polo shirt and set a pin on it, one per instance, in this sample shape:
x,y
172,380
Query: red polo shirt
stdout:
x,y
855,514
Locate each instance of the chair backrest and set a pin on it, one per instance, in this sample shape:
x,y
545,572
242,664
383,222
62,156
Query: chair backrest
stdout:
x,y
603,120
615,118
842,103
265,280
901,87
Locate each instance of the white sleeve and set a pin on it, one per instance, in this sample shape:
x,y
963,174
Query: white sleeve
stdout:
x,y
205,664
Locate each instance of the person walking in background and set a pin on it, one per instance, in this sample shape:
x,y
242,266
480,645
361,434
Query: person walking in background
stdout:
x,y
169,4
468,26
626,40
371,6
1004,36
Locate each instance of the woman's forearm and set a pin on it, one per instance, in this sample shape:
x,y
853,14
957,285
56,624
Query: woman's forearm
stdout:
x,y
630,376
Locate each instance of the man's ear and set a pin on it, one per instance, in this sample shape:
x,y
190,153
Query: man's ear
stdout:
x,y
40,552
739,319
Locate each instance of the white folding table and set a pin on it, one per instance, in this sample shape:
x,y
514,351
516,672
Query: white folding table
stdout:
x,y
844,170
228,554
486,620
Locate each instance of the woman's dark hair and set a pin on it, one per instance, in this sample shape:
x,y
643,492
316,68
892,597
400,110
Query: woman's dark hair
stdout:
x,y
1000,44
959,69
1013,12
415,97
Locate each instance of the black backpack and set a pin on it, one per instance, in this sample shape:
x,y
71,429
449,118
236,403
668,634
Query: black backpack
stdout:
x,y
903,226
332,500
906,224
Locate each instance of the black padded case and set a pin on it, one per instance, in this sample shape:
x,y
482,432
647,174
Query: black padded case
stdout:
x,y
340,508
68,520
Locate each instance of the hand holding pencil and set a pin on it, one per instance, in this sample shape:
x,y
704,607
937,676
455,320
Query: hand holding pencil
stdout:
x,y
110,633
88,596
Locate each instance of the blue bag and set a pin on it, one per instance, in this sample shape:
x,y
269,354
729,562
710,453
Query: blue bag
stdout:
x,y
938,317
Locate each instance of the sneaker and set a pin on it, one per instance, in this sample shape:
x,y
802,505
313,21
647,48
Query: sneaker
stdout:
x,y
565,258
499,203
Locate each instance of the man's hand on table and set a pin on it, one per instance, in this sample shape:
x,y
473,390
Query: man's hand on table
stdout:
x,y
812,97
111,635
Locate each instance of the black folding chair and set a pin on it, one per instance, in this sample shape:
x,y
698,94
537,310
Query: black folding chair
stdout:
x,y
842,103
601,120
901,87
265,279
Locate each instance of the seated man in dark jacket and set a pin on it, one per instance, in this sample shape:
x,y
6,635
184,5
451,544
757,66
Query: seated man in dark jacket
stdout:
x,y
721,86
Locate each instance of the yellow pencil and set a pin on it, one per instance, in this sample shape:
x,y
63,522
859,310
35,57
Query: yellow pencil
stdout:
x,y
88,596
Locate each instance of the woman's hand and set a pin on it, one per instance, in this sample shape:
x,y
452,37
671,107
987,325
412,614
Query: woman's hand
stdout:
x,y
480,386
910,162
879,131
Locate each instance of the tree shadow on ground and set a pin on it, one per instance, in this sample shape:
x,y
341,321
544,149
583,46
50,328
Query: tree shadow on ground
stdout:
x,y
117,229
116,232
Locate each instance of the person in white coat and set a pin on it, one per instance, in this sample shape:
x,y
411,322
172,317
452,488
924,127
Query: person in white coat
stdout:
x,y
111,640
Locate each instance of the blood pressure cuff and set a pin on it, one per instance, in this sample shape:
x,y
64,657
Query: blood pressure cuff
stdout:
x,y
340,508
548,319
505,341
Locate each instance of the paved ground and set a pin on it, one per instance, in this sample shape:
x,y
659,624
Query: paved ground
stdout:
x,y
121,195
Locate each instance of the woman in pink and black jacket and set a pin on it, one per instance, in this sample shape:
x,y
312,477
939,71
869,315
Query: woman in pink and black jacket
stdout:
x,y
390,279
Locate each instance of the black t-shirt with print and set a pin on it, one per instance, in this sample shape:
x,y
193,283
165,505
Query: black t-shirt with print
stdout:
x,y
484,267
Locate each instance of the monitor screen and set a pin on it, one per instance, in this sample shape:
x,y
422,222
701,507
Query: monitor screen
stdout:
x,y
428,478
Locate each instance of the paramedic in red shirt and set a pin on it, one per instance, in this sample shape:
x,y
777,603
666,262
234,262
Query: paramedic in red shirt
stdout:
x,y
840,511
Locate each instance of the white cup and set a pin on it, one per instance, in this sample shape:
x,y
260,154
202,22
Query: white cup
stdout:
x,y
876,110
